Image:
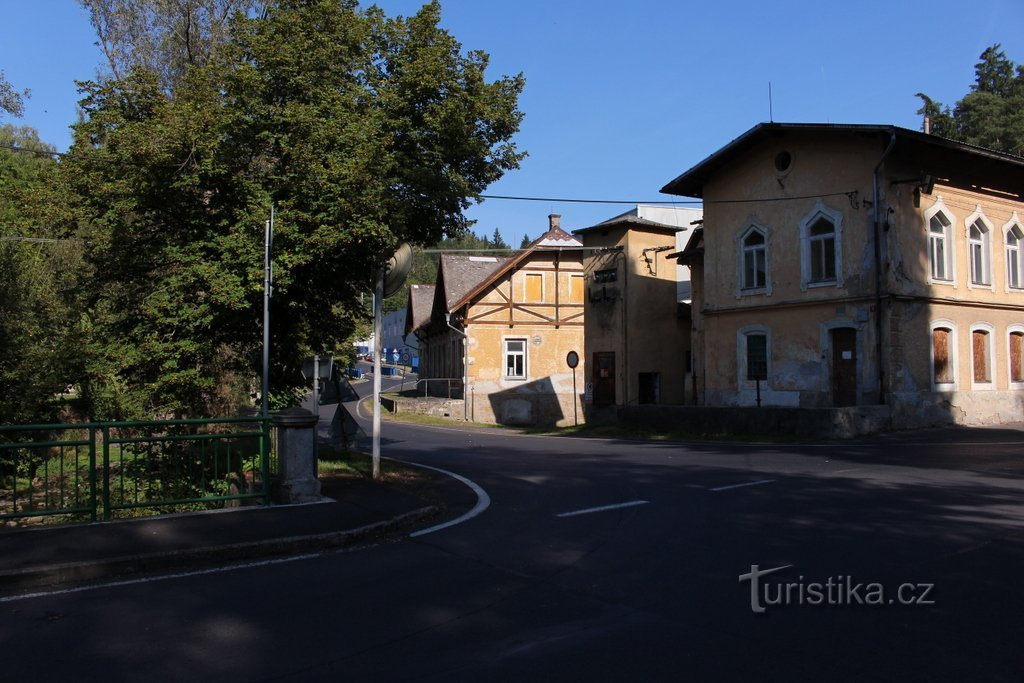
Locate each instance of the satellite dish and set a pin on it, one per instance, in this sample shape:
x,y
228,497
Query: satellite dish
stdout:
x,y
397,269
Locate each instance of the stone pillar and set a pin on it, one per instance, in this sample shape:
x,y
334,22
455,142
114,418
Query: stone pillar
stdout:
x,y
296,456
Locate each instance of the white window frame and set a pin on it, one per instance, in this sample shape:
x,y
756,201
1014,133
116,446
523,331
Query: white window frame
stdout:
x,y
808,243
507,352
1010,382
954,355
990,349
741,356
741,252
1014,254
949,244
984,248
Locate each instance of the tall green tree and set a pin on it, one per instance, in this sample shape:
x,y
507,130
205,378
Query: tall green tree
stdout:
x,y
164,37
992,114
11,101
41,275
361,130
498,242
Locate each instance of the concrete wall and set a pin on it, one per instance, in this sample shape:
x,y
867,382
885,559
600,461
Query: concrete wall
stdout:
x,y
824,423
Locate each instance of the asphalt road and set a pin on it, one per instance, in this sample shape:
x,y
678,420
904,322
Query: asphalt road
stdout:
x,y
607,560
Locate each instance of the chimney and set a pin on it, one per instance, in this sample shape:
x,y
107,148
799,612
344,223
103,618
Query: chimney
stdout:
x,y
554,221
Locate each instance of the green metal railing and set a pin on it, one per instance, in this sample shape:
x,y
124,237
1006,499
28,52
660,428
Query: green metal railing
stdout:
x,y
101,470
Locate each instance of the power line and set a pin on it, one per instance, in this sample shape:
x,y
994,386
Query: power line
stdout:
x,y
557,200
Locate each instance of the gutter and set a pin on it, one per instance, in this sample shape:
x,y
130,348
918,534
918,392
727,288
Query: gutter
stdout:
x,y
876,209
465,365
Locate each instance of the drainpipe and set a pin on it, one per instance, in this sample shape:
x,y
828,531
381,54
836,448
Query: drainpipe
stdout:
x,y
465,365
877,209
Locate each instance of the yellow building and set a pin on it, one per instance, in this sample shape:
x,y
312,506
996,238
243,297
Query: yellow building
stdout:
x,y
501,330
637,319
854,265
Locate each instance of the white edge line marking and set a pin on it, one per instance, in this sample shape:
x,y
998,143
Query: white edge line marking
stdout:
x,y
616,506
154,579
738,486
483,501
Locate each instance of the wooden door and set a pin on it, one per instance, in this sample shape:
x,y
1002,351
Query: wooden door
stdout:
x,y
604,378
844,366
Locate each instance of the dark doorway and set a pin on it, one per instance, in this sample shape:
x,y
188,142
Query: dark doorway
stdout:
x,y
604,378
650,387
844,366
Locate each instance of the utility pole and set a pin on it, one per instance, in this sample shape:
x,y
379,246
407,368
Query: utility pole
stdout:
x,y
268,284
378,306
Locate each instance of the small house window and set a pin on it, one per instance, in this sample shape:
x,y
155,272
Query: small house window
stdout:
x,y
515,359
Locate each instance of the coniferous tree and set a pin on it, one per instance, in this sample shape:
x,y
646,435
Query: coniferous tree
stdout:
x,y
991,115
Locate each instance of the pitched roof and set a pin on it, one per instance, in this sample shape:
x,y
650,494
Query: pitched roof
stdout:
x,y
421,299
458,275
956,161
556,237
673,220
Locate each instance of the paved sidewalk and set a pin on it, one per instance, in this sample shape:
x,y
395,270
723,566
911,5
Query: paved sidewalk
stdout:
x,y
354,511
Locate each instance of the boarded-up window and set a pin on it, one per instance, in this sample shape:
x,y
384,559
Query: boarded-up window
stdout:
x,y
943,364
576,289
534,287
1017,357
980,356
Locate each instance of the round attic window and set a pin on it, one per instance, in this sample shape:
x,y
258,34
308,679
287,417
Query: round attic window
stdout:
x,y
783,162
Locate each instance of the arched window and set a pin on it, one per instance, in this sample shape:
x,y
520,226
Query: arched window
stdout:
x,y
940,243
979,241
754,260
981,356
1014,254
821,247
1015,356
943,355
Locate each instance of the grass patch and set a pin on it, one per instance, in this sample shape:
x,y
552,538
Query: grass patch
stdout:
x,y
340,465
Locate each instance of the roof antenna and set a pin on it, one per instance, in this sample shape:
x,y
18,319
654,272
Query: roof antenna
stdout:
x,y
771,116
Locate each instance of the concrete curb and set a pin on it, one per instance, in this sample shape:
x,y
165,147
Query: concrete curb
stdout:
x,y
94,570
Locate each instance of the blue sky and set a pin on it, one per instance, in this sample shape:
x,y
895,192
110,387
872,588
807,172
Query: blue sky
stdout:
x,y
622,97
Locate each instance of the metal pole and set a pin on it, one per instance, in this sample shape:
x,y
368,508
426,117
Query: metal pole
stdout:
x,y
378,305
268,280
316,386
575,400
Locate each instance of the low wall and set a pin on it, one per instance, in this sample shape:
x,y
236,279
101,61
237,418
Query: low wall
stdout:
x,y
823,423
425,405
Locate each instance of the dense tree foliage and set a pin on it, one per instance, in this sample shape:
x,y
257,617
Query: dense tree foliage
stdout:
x,y
992,114
361,130
41,276
164,37
11,101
